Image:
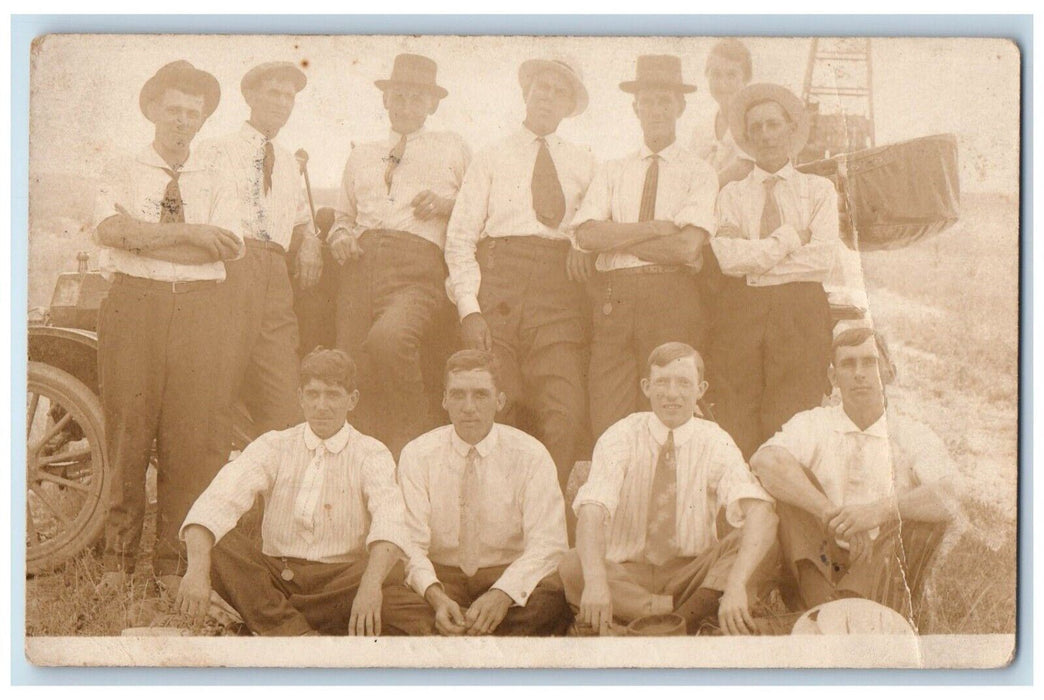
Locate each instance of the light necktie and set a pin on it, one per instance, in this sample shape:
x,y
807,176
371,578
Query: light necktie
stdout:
x,y
858,487
308,494
770,216
267,164
469,514
394,158
662,521
172,208
548,198
647,212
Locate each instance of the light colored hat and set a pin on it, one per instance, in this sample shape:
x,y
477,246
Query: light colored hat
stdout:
x,y
852,616
415,71
768,92
563,67
280,68
658,72
185,77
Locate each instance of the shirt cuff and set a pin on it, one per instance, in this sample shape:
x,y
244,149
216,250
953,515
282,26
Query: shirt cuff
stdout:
x,y
587,501
514,589
734,512
387,534
217,529
468,305
420,578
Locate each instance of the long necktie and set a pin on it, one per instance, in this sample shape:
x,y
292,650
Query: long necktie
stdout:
x,y
647,212
662,520
770,216
469,512
394,158
308,494
172,208
548,198
268,163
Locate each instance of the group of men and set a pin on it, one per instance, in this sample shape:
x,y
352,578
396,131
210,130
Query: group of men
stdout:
x,y
585,295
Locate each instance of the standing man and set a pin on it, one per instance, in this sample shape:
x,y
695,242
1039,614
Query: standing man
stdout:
x,y
269,208
647,216
777,231
162,327
728,70
647,542
847,477
513,274
395,199
333,535
485,514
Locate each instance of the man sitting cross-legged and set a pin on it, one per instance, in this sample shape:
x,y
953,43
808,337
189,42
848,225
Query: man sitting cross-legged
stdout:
x,y
647,541
333,532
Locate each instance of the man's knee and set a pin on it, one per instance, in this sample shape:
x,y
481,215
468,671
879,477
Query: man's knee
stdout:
x,y
394,346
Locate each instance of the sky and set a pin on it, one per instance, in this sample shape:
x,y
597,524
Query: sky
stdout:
x,y
84,92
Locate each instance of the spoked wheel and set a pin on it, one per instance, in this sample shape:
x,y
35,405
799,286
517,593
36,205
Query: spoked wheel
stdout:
x,y
67,470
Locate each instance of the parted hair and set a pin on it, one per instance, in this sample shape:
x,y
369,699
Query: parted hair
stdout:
x,y
852,337
669,352
736,51
330,366
467,360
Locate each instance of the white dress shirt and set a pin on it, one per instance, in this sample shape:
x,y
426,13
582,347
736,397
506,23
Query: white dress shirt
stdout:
x,y
805,202
272,216
325,500
433,160
138,185
522,514
496,200
686,189
711,475
720,153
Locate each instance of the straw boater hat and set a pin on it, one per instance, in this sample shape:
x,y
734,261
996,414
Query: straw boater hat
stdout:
x,y
565,68
281,69
414,71
184,77
658,73
767,92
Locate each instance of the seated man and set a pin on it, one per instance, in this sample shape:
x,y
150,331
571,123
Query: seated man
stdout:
x,y
485,514
846,477
646,540
333,532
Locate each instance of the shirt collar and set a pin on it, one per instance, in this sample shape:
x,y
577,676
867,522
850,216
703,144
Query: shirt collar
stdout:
x,y
394,136
148,156
335,443
526,137
844,424
484,446
252,135
667,154
787,172
682,433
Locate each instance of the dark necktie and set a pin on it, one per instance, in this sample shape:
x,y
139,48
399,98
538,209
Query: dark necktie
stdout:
x,y
548,199
394,158
267,164
661,523
172,208
652,176
770,216
470,496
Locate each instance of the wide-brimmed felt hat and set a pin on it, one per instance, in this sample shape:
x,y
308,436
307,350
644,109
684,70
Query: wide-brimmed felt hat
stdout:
x,y
768,92
562,66
657,72
413,70
184,77
282,69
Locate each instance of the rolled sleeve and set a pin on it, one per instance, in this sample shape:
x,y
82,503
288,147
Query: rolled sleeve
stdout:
x,y
735,481
596,205
698,209
798,436
739,255
112,190
346,210
384,502
465,227
608,463
420,573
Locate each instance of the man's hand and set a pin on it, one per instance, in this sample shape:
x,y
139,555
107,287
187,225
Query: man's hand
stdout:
x,y
193,597
428,205
365,618
474,333
851,520
664,228
579,265
449,619
343,246
734,611
309,261
805,235
486,613
596,605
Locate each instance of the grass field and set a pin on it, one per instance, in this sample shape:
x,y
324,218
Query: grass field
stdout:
x,y
949,307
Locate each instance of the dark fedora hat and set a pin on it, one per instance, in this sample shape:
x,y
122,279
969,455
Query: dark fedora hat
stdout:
x,y
413,70
658,72
184,77
281,69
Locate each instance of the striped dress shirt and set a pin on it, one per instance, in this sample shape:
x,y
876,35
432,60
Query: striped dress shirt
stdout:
x,y
358,502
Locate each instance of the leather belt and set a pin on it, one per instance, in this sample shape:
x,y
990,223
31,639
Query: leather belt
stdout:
x,y
647,270
183,287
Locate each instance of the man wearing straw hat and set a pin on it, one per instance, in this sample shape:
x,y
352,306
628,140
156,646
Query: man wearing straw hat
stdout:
x,y
647,216
513,274
270,208
777,231
162,327
389,233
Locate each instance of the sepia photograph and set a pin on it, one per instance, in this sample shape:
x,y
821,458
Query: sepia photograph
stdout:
x,y
524,352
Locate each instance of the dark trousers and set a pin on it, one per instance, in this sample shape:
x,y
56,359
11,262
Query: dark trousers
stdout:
x,y
645,311
391,307
265,328
537,318
162,362
318,598
544,614
768,357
